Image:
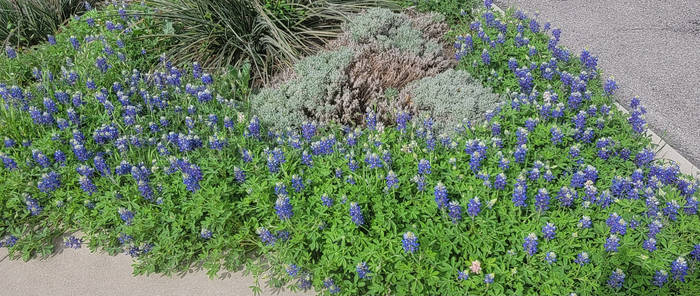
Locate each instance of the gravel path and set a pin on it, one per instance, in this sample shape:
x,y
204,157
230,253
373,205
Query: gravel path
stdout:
x,y
651,47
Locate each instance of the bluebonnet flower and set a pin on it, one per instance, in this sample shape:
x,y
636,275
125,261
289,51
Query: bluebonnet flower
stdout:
x,y
500,182
204,96
530,125
32,205
423,167
101,166
612,243
49,182
488,278
283,208
59,157
7,162
207,79
530,244
520,195
371,120
373,161
691,205
495,129
40,158
521,134
679,269
671,210
392,181
616,279
549,231
205,233
239,174
566,196
440,195
326,201
126,216
649,245
420,182
73,242
474,207
485,57
308,130
660,278
556,135
463,275
695,253
352,165
654,228
362,270
331,286
144,188
454,210
254,128
11,53
280,189
542,200
266,236
297,183
191,175
74,42
584,222
410,242
356,214
401,120
520,153
9,143
292,270
610,86
50,105
503,163
550,257
582,258
51,39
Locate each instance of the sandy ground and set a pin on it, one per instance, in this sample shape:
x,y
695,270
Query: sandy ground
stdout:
x,y
79,272
651,47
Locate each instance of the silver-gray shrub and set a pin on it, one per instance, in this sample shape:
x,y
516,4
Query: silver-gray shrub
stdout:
x,y
377,51
319,82
389,30
449,98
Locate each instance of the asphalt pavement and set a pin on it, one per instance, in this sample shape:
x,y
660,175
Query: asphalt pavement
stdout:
x,y
650,47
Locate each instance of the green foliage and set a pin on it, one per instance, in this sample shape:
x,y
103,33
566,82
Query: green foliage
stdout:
x,y
453,10
27,22
59,58
269,34
451,98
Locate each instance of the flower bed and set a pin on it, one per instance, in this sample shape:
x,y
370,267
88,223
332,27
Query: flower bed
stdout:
x,y
555,192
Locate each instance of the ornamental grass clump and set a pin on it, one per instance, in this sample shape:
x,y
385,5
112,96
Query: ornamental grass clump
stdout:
x,y
269,35
28,22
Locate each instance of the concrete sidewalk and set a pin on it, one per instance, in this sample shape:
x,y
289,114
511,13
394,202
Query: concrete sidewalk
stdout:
x,y
651,47
79,272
